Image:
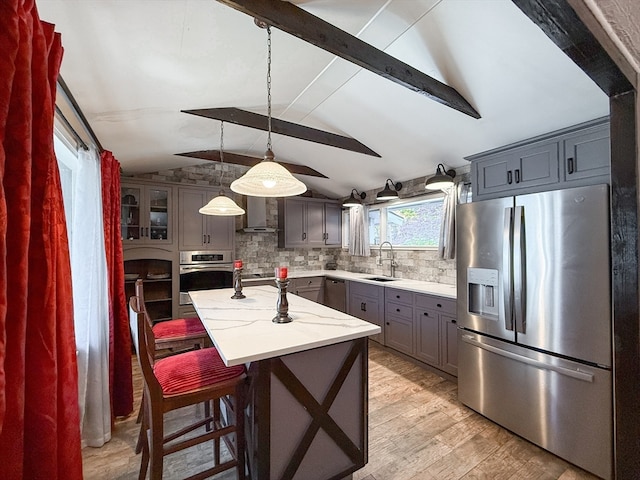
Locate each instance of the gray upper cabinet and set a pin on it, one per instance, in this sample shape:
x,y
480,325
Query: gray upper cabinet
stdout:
x,y
587,154
530,166
146,214
309,222
575,156
202,232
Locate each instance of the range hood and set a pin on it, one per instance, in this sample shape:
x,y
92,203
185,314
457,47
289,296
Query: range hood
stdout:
x,y
257,216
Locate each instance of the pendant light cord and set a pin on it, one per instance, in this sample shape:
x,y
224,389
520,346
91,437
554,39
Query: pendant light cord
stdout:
x,y
221,153
268,87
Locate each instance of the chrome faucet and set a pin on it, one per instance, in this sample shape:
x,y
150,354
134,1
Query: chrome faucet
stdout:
x,y
392,260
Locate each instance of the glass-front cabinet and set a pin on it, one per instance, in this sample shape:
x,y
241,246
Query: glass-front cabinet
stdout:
x,y
145,214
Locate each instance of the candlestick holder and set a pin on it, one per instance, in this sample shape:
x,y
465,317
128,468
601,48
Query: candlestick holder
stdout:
x,y
282,305
237,283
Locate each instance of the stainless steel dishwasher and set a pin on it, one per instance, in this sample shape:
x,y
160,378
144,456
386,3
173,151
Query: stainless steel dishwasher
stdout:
x,y
335,294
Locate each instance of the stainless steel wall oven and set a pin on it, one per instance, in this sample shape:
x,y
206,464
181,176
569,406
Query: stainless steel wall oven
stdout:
x,y
204,270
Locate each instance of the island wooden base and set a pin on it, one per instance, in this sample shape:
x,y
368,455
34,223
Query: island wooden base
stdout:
x,y
307,413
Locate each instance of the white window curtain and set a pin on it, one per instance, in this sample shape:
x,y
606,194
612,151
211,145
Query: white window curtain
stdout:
x,y
359,231
83,204
447,244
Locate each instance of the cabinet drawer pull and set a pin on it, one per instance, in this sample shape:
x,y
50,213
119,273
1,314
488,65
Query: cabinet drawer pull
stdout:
x,y
426,314
439,305
454,321
397,309
397,296
387,323
509,177
570,166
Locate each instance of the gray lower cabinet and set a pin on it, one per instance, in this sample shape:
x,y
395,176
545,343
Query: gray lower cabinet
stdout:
x,y
572,157
366,302
310,288
398,320
436,332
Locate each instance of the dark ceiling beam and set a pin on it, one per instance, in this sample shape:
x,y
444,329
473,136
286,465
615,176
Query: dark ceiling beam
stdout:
x,y
247,161
562,25
256,120
297,22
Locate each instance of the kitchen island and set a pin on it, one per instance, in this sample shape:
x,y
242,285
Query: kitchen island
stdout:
x,y
307,395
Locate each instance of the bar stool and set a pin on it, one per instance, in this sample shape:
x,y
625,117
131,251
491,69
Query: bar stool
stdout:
x,y
198,376
177,334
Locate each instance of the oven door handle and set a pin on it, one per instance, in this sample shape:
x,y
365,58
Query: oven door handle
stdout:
x,y
206,268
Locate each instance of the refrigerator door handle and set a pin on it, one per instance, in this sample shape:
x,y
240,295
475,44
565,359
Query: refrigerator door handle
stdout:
x,y
519,286
506,270
577,374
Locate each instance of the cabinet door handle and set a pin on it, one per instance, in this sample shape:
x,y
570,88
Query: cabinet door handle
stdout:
x,y
208,238
397,309
454,321
387,323
146,232
509,177
397,296
204,239
438,305
363,306
517,175
570,166
426,314
304,236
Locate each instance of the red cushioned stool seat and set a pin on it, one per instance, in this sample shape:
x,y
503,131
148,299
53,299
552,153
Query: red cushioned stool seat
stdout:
x,y
193,370
179,327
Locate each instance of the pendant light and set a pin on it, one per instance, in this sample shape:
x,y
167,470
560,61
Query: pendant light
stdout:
x,y
268,178
387,193
221,205
352,201
442,179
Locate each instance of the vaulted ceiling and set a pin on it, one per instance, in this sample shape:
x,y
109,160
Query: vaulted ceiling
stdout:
x,y
133,66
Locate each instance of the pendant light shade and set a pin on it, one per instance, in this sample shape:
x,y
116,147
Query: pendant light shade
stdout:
x,y
221,206
442,179
268,178
388,193
352,201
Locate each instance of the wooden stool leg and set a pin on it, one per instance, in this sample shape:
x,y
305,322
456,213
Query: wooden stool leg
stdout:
x,y
240,435
156,447
216,425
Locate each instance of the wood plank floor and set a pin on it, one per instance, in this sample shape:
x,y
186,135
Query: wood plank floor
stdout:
x,y
417,431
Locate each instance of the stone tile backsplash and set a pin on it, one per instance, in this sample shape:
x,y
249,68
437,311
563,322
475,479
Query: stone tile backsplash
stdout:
x,y
260,253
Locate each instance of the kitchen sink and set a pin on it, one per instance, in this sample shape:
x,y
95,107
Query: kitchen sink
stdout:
x,y
380,279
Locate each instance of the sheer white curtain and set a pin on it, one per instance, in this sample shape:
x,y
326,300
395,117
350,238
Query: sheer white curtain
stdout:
x,y
359,231
447,245
83,207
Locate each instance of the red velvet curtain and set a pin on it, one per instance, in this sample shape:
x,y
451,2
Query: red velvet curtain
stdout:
x,y
120,384
39,415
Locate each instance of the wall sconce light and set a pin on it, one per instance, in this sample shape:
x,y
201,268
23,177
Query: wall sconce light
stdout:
x,y
442,179
389,193
352,201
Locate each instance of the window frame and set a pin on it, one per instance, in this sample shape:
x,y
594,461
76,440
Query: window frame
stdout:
x,y
383,208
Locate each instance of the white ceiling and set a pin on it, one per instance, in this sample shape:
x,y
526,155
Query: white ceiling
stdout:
x,y
133,65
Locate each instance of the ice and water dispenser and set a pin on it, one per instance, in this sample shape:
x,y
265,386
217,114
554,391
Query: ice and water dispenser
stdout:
x,y
482,289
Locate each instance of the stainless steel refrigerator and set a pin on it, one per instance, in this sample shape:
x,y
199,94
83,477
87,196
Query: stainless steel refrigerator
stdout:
x,y
534,311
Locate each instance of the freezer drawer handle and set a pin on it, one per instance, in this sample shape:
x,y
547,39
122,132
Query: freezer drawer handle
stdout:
x,y
578,375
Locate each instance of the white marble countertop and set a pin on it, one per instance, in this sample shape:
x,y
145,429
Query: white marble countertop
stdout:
x,y
418,286
243,332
